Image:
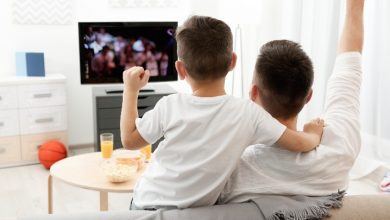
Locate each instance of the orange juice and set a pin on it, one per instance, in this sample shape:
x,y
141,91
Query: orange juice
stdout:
x,y
106,147
147,151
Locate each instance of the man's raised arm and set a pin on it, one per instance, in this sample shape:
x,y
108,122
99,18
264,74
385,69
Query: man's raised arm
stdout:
x,y
342,105
352,34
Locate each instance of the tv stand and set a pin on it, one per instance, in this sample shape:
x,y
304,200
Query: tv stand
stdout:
x,y
107,105
121,91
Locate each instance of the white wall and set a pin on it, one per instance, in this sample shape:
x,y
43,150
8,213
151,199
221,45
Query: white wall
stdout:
x,y
308,22
60,45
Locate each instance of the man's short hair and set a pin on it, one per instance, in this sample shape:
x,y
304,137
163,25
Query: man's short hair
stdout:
x,y
284,74
205,45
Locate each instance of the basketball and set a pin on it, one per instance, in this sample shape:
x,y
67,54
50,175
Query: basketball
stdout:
x,y
51,152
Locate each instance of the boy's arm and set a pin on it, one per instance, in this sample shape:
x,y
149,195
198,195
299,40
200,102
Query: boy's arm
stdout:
x,y
304,141
134,79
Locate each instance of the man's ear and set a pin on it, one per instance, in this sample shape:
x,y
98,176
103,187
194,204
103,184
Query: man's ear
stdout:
x,y
309,95
181,70
233,61
254,93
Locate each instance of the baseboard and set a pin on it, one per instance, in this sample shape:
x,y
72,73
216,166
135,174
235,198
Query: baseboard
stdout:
x,y
81,146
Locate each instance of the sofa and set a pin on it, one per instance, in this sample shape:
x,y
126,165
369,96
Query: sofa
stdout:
x,y
354,207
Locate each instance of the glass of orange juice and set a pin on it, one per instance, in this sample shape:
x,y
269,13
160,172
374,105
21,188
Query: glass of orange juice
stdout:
x,y
106,144
147,151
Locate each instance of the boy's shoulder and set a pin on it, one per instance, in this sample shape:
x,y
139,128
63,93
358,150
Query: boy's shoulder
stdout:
x,y
181,98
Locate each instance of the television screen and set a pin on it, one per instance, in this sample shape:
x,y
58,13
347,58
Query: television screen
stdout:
x,y
108,48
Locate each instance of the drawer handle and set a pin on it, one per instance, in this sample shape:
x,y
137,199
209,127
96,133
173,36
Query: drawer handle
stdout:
x,y
142,107
142,97
2,150
1,98
42,95
1,124
44,120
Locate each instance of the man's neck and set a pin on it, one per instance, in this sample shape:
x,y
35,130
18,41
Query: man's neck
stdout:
x,y
208,88
290,123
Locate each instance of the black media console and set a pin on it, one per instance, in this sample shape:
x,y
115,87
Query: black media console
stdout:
x,y
107,104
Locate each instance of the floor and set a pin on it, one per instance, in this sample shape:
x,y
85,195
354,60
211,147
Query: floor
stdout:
x,y
23,192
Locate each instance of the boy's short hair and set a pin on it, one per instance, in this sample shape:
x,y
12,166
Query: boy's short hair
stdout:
x,y
205,45
284,74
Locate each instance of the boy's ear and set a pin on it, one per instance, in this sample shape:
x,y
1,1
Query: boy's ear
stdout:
x,y
181,70
233,61
309,95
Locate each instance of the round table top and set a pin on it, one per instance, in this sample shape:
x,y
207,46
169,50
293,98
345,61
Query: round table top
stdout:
x,y
85,171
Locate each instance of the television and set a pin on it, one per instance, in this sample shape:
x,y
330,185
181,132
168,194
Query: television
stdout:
x,y
108,48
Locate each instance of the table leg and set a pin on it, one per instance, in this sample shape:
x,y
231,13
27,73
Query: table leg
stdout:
x,y
50,194
103,201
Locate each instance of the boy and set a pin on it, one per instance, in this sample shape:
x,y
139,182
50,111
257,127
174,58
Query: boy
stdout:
x,y
204,133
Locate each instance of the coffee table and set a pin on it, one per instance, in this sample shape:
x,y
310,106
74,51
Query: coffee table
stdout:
x,y
85,171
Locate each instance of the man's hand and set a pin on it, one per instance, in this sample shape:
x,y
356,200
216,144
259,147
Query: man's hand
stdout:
x,y
352,34
315,126
135,78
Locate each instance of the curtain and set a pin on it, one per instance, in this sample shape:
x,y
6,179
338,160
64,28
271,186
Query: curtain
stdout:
x,y
375,102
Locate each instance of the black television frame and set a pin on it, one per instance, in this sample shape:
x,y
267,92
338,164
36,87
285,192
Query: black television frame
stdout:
x,y
129,24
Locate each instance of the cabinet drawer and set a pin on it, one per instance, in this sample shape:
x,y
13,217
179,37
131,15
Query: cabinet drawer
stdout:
x,y
31,143
143,109
41,95
116,102
109,113
109,118
8,97
109,123
41,120
9,149
109,102
115,113
9,123
148,100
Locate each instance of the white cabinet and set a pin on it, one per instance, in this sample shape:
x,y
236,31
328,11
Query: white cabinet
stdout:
x,y
9,122
10,151
40,120
32,111
8,97
41,95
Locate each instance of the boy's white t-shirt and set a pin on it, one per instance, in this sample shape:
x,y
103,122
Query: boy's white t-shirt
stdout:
x,y
204,138
271,170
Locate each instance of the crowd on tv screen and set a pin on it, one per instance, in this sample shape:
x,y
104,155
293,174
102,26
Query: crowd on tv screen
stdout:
x,y
109,55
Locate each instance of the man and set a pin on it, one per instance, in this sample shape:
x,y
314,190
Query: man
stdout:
x,y
282,81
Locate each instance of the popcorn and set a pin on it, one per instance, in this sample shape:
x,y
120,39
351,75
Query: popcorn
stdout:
x,y
117,173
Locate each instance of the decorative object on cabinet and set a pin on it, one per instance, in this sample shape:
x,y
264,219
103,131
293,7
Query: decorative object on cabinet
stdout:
x,y
30,64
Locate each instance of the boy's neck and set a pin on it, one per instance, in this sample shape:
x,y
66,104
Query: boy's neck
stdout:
x,y
208,88
290,123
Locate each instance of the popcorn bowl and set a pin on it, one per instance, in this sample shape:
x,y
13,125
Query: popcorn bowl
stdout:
x,y
119,173
123,165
